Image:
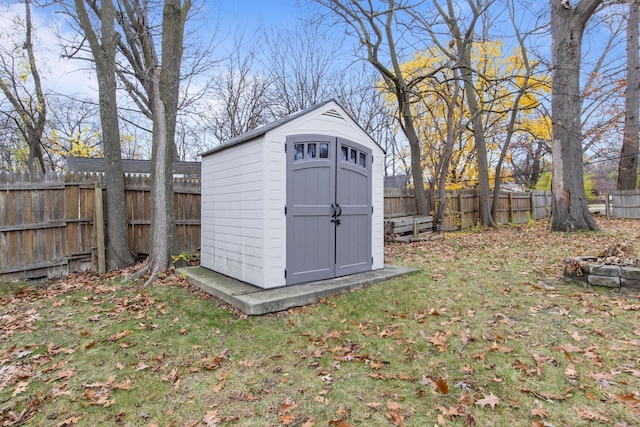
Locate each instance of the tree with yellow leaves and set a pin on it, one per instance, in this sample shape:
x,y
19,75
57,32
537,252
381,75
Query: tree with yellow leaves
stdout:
x,y
508,96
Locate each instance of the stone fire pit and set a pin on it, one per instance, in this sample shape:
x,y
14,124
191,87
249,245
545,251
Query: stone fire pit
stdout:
x,y
613,268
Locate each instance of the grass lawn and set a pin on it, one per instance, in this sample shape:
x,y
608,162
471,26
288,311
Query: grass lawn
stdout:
x,y
487,334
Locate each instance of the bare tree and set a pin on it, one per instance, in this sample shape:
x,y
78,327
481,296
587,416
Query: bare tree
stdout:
x,y
103,42
569,206
628,165
25,95
376,32
240,95
302,68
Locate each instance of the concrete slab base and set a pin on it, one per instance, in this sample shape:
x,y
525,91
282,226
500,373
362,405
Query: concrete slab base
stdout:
x,y
252,300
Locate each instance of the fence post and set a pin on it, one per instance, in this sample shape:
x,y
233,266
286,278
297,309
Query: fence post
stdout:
x,y
98,222
462,216
606,205
532,206
510,208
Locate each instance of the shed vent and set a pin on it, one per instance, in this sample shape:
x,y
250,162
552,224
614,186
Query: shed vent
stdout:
x,y
333,113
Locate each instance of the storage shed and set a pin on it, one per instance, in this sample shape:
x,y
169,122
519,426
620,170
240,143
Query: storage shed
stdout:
x,y
297,200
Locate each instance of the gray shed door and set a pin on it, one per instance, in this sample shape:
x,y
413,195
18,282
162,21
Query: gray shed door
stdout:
x,y
328,208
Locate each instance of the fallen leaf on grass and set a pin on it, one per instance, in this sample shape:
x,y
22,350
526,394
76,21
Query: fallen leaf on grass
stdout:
x,y
141,366
566,353
603,379
575,335
394,414
451,412
66,374
61,390
590,415
212,418
119,335
539,412
629,400
100,397
499,348
439,340
21,387
172,377
211,364
242,396
71,421
521,366
571,372
287,419
442,386
490,400
549,396
339,423
122,385
321,399
53,349
287,406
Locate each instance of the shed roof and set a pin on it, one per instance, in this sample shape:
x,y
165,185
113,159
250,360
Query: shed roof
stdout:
x,y
262,130
85,164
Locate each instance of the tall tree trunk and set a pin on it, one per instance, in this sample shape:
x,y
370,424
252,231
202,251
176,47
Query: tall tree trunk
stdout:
x,y
165,84
452,135
163,221
484,194
628,165
36,130
503,152
409,130
569,209
104,54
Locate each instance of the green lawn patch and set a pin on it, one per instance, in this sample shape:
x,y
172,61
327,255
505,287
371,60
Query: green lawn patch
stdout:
x,y
489,333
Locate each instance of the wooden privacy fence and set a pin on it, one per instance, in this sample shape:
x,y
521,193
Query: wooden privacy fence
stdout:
x,y
48,228
461,209
47,225
623,204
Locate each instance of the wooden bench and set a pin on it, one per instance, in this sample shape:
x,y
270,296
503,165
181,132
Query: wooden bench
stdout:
x,y
409,228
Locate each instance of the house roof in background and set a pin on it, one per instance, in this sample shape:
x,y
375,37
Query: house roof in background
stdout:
x,y
84,164
396,181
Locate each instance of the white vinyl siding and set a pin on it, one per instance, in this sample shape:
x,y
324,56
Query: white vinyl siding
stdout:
x,y
233,213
